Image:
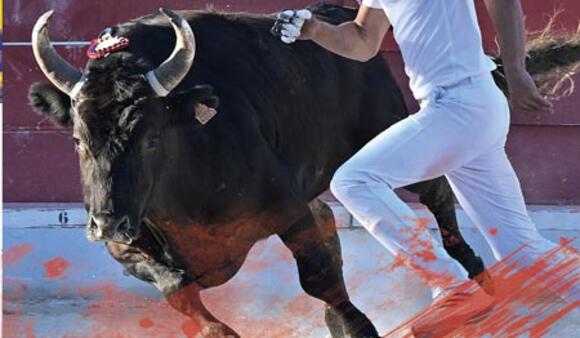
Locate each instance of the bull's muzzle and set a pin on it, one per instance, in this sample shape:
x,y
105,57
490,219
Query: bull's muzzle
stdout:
x,y
106,227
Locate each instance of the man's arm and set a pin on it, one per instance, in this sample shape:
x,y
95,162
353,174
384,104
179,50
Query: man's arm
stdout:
x,y
358,40
508,20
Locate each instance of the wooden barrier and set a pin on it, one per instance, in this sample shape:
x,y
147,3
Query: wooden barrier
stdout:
x,y
40,164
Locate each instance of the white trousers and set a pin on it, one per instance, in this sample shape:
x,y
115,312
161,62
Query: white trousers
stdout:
x,y
460,132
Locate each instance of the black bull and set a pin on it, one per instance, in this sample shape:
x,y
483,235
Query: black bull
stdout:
x,y
181,204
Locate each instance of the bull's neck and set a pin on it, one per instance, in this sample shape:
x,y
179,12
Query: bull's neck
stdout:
x,y
200,172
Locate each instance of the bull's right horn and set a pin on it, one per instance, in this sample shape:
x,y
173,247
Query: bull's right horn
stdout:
x,y
172,71
61,73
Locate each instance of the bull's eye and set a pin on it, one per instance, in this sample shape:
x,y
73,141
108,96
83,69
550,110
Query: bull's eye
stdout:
x,y
77,143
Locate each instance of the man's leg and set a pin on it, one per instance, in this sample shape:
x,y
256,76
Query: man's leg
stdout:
x,y
399,230
415,149
453,127
489,191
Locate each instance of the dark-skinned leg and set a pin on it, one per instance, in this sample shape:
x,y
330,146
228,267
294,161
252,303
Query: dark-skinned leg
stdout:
x,y
314,243
437,196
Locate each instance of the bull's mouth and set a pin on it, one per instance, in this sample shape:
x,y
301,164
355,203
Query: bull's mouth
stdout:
x,y
129,234
153,233
125,233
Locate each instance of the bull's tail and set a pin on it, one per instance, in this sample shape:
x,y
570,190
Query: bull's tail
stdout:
x,y
552,59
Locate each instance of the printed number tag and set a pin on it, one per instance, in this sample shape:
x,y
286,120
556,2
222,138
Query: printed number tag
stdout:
x,y
204,113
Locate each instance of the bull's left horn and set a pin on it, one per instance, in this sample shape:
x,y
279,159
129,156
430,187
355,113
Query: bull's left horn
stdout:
x,y
61,73
172,71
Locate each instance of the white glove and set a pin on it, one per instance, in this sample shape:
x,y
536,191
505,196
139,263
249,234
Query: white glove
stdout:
x,y
289,24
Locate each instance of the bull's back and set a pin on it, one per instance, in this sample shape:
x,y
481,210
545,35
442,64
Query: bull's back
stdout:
x,y
339,106
315,109
326,107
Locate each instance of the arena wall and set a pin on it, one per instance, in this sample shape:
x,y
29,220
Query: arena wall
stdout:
x,y
40,164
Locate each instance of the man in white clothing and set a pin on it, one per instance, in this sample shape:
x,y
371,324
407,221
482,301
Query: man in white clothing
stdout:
x,y
459,132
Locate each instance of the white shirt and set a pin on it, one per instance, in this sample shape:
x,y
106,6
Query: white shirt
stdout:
x,y
440,41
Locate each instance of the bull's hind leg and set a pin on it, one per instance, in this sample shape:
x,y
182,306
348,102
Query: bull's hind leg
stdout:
x,y
179,291
315,245
438,197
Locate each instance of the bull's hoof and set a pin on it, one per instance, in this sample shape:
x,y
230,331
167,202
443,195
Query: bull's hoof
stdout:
x,y
334,323
485,282
349,322
218,330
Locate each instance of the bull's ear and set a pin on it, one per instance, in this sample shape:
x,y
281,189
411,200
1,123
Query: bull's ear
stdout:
x,y
198,94
46,100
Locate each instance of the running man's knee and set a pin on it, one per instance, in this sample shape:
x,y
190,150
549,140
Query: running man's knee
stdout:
x,y
348,178
345,179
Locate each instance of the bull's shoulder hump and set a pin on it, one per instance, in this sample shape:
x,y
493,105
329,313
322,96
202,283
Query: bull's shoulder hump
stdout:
x,y
157,19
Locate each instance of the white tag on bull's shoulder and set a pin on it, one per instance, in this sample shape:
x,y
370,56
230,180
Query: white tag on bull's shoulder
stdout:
x,y
204,113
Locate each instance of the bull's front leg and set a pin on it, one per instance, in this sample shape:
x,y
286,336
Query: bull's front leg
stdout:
x,y
186,300
177,287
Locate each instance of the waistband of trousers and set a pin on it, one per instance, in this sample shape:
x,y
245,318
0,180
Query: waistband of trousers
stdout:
x,y
465,81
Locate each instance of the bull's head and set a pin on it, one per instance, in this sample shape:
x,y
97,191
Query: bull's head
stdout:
x,y
114,138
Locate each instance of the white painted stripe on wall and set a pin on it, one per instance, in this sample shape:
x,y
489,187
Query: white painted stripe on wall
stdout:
x,y
54,43
50,215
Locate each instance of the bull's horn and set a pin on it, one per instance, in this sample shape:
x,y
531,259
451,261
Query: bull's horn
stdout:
x,y
169,74
61,73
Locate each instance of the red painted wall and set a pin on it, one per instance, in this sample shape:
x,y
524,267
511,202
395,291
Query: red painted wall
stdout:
x,y
41,166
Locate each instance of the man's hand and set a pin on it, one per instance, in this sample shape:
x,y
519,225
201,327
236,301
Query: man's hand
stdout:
x,y
357,40
508,20
524,95
290,25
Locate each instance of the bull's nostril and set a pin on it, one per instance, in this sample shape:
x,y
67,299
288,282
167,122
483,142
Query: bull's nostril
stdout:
x,y
93,225
93,231
123,225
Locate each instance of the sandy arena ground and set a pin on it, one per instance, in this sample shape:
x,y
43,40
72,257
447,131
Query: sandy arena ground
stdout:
x,y
58,284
